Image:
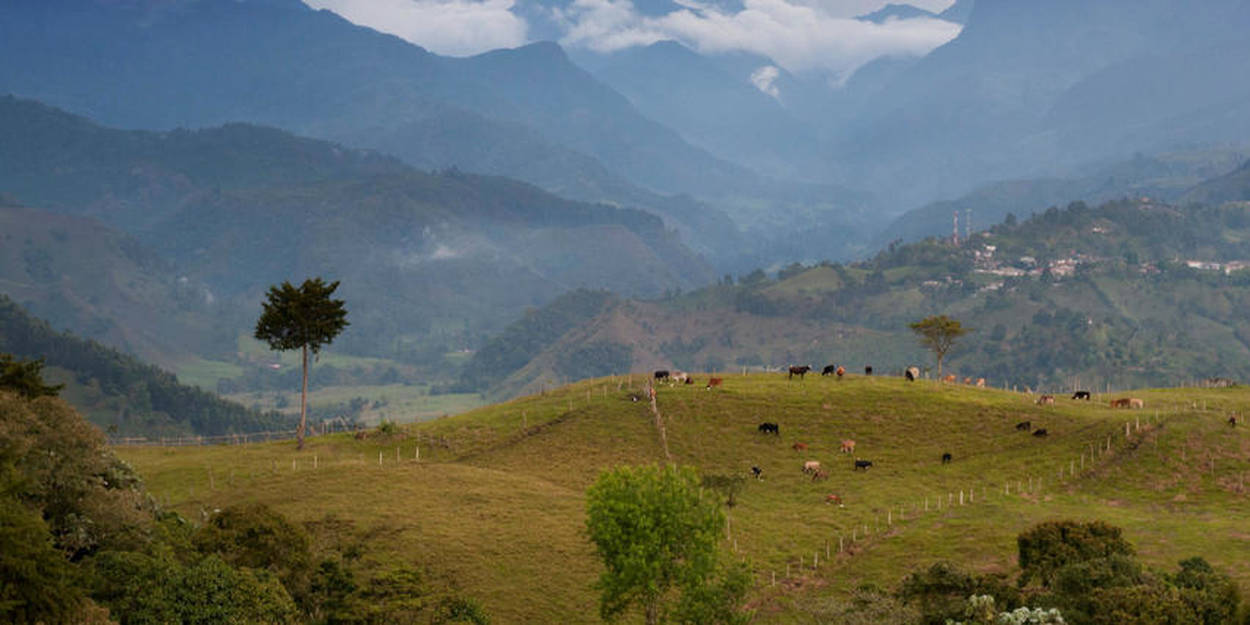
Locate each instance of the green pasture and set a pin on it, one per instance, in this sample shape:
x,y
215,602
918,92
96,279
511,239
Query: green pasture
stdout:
x,y
494,497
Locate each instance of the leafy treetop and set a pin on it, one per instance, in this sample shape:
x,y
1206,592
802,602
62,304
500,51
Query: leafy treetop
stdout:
x,y
305,316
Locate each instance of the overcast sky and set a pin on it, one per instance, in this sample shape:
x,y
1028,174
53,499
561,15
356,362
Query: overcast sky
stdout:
x,y
800,35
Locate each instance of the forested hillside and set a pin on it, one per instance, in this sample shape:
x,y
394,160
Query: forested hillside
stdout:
x,y
120,393
1128,293
217,215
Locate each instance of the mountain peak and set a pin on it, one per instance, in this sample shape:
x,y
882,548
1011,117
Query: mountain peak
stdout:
x,y
895,11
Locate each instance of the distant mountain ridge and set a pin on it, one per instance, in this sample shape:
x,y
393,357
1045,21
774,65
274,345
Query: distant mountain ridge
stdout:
x,y
527,113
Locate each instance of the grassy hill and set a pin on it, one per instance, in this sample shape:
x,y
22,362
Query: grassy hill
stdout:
x,y
495,499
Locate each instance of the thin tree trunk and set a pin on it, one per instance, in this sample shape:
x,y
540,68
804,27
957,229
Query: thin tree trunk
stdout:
x,y
303,404
939,359
653,612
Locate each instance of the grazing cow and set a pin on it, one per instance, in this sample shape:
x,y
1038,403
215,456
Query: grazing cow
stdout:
x,y
1122,402
1040,432
1046,400
1024,425
912,373
980,382
1082,395
799,447
867,369
1232,421
770,428
968,381
1134,402
862,465
949,379
811,466
848,446
828,370
820,475
713,382
757,472
661,374
833,498
841,372
679,376
689,380
946,458
799,371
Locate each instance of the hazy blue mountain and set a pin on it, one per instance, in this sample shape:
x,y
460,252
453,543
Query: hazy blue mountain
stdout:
x,y
412,248
714,109
1028,88
1231,187
895,11
1165,177
528,113
958,12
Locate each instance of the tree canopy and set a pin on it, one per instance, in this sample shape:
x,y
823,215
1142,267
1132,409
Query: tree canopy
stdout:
x,y
939,333
657,536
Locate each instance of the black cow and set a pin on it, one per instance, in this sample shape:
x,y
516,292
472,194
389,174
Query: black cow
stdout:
x,y
862,465
1232,421
829,370
1040,432
911,373
867,369
799,371
757,472
1024,425
661,374
769,428
1081,395
946,458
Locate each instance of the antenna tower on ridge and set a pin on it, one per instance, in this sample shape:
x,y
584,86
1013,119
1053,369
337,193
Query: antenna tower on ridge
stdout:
x,y
955,230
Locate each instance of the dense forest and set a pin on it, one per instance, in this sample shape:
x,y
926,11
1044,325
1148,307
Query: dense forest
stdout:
x,y
84,543
131,397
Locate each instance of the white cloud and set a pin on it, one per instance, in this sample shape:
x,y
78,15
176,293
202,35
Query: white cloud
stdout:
x,y
449,27
763,79
800,37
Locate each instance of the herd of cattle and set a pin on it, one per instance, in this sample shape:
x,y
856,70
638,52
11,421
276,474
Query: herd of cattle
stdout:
x,y
813,467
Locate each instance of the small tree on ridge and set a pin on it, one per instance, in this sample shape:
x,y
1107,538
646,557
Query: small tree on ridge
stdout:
x,y
939,333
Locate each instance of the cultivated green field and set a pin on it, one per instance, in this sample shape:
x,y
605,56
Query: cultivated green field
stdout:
x,y
496,499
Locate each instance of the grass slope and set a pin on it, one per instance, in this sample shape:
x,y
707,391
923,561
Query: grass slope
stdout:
x,y
496,499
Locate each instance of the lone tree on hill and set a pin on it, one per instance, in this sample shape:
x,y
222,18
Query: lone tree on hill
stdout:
x,y
657,536
939,333
303,317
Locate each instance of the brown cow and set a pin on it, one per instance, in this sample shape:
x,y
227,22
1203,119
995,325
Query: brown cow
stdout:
x,y
820,475
799,447
968,381
1122,402
848,446
1134,402
713,382
1046,400
980,382
950,379
841,371
833,498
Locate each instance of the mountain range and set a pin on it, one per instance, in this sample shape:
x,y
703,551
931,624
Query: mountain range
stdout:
x,y
147,223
